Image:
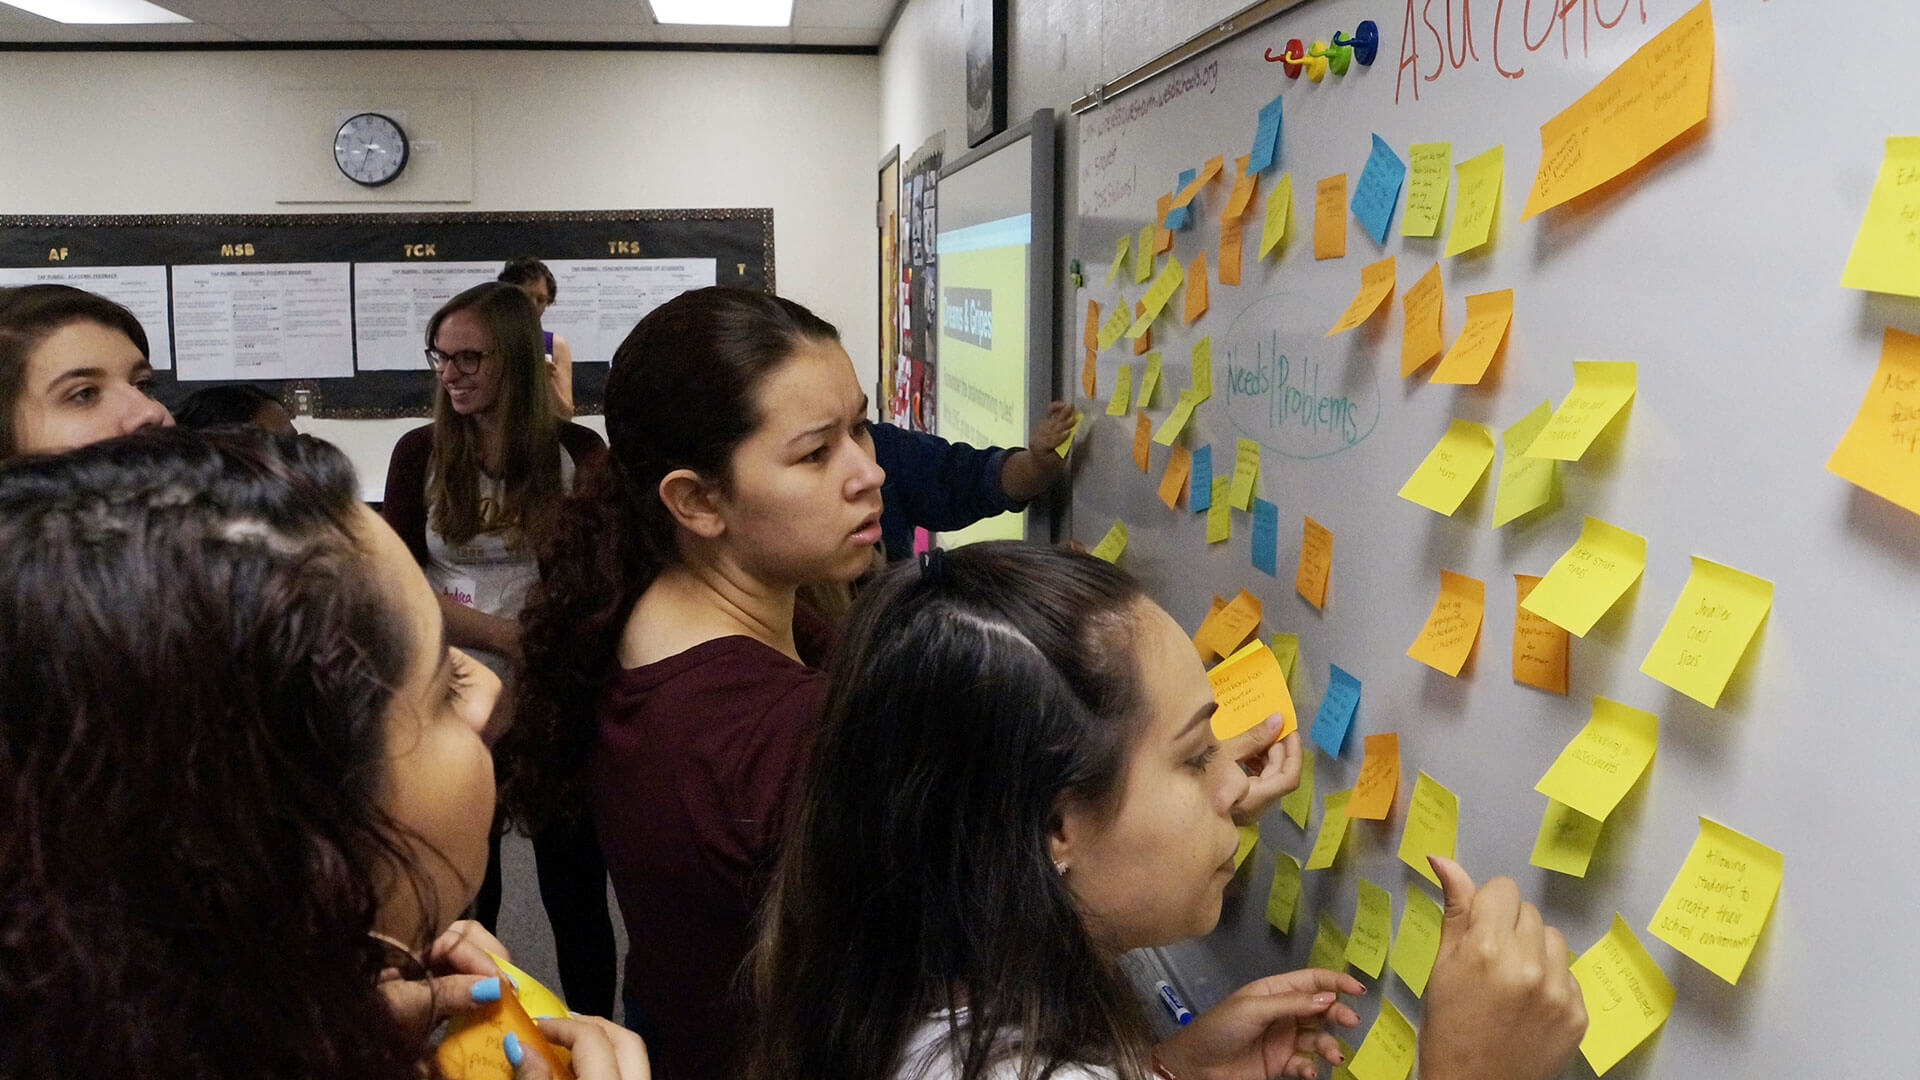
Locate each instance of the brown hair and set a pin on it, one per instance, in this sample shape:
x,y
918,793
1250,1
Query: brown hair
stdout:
x,y
28,314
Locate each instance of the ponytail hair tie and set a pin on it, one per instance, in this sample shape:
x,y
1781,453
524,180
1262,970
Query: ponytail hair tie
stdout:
x,y
933,567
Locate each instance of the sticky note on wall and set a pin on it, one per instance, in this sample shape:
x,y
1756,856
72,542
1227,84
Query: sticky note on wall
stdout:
x,y
1566,840
1388,1051
1593,574
1601,388
1174,481
1886,250
1330,217
1720,899
1378,191
1626,995
1427,178
1433,825
1112,544
1539,647
1417,944
1372,932
1273,226
1477,201
1316,563
1708,630
1333,833
1881,448
1379,778
1283,896
1604,760
1453,625
1452,468
1526,483
1420,339
1337,707
1376,282
1488,316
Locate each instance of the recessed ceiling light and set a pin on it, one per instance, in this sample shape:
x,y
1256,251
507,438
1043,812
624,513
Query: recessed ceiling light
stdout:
x,y
724,12
99,11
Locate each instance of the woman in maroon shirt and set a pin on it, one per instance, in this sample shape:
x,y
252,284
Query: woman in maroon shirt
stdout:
x,y
666,672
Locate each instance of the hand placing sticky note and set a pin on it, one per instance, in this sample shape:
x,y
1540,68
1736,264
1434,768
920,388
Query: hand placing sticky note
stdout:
x,y
1122,391
1452,468
1720,900
1176,420
1601,388
1433,825
1478,199
1248,687
1388,1051
1329,944
1372,931
1066,444
1593,574
1642,105
1881,449
1626,995
1173,482
1426,188
1467,359
1420,339
1606,758
1333,833
1283,896
1379,779
1417,944
1539,647
1330,217
1886,250
1337,707
1708,630
1219,516
1246,470
1316,563
1378,191
1566,840
1453,625
1376,281
1266,537
1526,483
1298,803
1273,227
1112,544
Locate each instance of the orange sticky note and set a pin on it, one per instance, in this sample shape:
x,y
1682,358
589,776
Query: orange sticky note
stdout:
x,y
1249,687
1330,218
1420,339
1200,636
1142,438
1244,188
1539,647
1088,369
1453,625
1376,281
1091,335
1212,168
1379,779
1316,563
1196,288
1173,482
1488,315
1145,341
1162,236
1230,252
1235,623
1881,449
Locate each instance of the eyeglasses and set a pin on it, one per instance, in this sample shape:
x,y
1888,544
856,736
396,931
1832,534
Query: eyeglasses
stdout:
x,y
466,361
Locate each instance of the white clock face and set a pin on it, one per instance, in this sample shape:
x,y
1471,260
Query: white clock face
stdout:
x,y
370,149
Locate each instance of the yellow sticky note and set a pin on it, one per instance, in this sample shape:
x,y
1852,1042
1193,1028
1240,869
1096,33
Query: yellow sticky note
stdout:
x,y
1645,103
1119,256
1886,250
1316,563
1626,995
1427,175
1720,899
1466,362
1539,647
1122,391
1143,255
1174,481
1249,687
1219,518
1142,437
1388,1051
1601,764
1161,291
1452,468
1249,836
1246,470
1066,444
1229,628
1112,544
1433,825
1203,367
1372,929
1286,648
1379,779
1420,339
1881,449
1453,625
1708,630
1114,327
1566,840
1273,228
1177,419
1329,945
1145,341
1149,379
1417,944
1298,803
1477,200
1330,217
1594,573
1196,298
1333,831
1526,483
1376,281
1283,896
1601,388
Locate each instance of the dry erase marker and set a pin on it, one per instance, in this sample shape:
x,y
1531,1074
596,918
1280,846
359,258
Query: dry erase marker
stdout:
x,y
1175,1007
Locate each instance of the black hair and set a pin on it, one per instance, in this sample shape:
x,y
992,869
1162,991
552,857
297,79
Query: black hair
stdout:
x,y
525,270
231,403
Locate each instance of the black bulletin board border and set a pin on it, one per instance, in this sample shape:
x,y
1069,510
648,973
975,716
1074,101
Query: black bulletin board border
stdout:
x,y
740,240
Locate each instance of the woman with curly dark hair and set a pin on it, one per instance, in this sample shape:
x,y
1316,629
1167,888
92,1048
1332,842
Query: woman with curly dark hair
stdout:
x,y
669,675
241,771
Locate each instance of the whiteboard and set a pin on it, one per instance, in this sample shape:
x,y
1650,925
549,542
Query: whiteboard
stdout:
x,y
1716,268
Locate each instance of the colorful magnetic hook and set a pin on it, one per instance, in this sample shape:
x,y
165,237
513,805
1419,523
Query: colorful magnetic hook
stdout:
x,y
1316,62
1292,59
1365,41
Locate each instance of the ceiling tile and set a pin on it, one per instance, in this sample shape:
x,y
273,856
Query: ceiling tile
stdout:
x,y
729,35
37,29
550,31
560,12
443,31
316,31
872,14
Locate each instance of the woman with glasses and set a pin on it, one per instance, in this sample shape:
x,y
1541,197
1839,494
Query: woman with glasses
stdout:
x,y
475,495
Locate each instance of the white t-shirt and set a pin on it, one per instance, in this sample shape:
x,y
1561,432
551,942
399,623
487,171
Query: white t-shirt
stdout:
x,y
929,1056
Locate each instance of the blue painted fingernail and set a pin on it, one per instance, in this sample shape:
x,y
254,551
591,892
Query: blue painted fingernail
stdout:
x,y
487,989
512,1045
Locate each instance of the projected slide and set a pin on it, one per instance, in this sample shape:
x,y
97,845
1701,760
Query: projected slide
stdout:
x,y
983,347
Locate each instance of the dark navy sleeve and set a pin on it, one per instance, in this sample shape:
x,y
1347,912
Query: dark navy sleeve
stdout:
x,y
935,485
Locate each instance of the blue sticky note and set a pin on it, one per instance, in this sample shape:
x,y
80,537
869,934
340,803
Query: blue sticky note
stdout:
x,y
1200,480
1266,138
1266,534
1336,710
1178,216
1378,191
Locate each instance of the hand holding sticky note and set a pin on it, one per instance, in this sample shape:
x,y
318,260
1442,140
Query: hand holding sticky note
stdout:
x,y
1248,687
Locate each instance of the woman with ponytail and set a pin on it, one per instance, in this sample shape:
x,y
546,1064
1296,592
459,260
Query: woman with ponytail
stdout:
x,y
669,678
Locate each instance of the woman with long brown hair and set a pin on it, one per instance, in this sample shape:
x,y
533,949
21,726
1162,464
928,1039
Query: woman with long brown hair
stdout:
x,y
74,369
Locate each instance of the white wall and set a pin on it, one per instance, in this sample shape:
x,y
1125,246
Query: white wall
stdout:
x,y
186,132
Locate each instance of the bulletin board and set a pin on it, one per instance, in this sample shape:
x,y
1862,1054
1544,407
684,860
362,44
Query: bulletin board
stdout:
x,y
1715,267
329,311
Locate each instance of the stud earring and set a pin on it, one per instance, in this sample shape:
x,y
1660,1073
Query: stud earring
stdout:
x,y
1060,867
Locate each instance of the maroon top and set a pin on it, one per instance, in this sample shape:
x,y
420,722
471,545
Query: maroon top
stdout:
x,y
688,786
